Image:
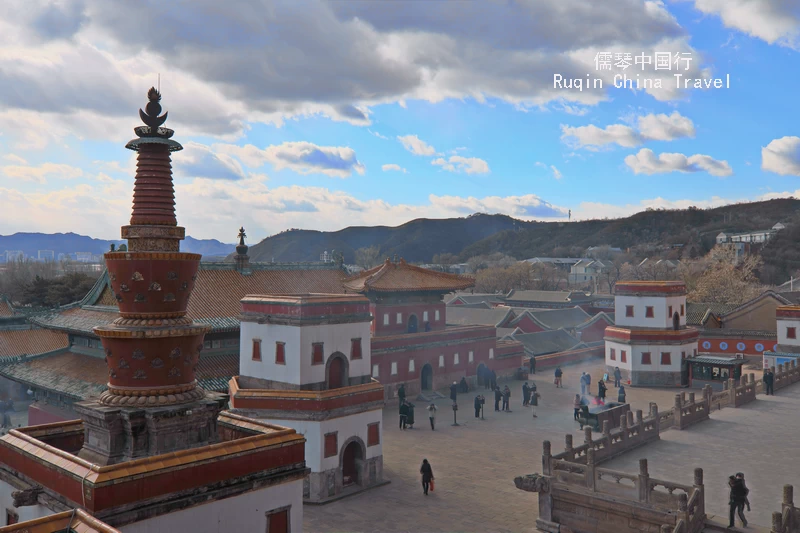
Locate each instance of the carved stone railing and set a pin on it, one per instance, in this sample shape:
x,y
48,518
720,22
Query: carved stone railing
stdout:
x,y
691,411
745,392
632,433
788,520
785,375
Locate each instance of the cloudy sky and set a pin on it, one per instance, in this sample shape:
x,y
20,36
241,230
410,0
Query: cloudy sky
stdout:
x,y
322,115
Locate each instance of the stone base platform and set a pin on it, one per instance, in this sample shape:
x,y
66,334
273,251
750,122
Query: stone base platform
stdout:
x,y
116,434
324,487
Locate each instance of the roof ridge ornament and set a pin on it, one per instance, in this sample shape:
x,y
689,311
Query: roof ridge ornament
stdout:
x,y
153,132
153,108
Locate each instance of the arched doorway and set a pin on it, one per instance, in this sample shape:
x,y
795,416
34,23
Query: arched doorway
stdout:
x,y
336,375
426,377
676,321
412,324
351,457
481,374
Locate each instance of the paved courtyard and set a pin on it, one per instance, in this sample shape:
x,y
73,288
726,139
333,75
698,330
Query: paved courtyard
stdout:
x,y
474,464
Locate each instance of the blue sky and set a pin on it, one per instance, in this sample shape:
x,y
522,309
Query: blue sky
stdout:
x,y
320,115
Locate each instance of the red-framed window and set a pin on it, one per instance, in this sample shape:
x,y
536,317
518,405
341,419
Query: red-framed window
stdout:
x,y
317,353
374,434
629,310
791,333
670,311
612,354
256,349
623,357
648,312
280,353
355,349
666,358
646,358
683,356
278,521
681,309
332,444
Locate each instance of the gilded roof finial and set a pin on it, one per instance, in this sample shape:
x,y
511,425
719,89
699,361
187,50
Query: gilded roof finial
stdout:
x,y
153,108
242,235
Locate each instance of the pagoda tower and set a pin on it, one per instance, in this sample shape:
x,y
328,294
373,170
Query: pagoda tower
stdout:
x,y
152,350
650,340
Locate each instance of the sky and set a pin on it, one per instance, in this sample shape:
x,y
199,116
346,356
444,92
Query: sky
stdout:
x,y
322,115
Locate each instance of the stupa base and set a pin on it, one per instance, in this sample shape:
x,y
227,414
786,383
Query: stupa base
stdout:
x,y
114,434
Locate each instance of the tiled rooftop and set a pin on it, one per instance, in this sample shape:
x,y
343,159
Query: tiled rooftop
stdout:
x,y
77,319
695,312
400,276
5,309
31,341
78,521
560,318
468,316
546,342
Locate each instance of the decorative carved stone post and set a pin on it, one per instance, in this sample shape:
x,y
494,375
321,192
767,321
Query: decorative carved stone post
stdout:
x,y
683,507
788,495
666,529
698,484
590,477
639,416
656,417
568,442
691,397
607,431
725,385
629,416
644,481
776,523
683,398
546,456
732,391
623,425
678,411
587,434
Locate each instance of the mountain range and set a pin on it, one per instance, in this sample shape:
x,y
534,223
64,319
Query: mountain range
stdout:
x,y
65,243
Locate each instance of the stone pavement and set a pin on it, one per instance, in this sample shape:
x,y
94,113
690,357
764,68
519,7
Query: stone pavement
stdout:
x,y
759,439
474,464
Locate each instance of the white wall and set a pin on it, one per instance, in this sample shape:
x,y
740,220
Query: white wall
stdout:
x,y
298,369
634,356
661,319
784,323
247,512
348,426
25,513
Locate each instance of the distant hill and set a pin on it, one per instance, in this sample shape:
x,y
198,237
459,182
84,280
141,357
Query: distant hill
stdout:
x,y
65,243
419,240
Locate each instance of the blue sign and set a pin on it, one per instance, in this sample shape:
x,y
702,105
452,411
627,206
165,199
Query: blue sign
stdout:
x,y
741,346
706,345
774,347
723,346
759,347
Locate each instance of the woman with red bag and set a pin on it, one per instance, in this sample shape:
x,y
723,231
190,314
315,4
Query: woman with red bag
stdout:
x,y
427,476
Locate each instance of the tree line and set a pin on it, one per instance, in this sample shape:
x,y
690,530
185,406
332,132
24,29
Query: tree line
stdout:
x,y
29,283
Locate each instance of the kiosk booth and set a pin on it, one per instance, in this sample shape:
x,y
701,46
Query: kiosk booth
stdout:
x,y
714,370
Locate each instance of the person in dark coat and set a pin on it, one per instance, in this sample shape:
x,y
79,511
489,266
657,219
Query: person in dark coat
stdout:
x,y
497,397
454,391
494,379
401,393
601,389
558,375
526,394
427,475
432,414
427,326
410,417
621,394
506,399
737,500
740,476
769,381
534,400
463,385
617,377
403,415
478,406
532,364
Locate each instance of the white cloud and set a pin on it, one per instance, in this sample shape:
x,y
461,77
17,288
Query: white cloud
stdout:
x,y
774,21
378,135
15,159
457,163
416,146
651,127
393,167
42,173
301,157
646,162
556,173
200,161
782,156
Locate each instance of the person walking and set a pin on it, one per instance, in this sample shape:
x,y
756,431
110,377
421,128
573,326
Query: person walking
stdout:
x,y
506,399
403,415
477,406
494,379
526,394
621,394
410,417
401,393
737,501
432,415
617,377
532,364
463,385
558,374
497,397
576,405
588,382
740,476
427,475
583,384
601,389
534,400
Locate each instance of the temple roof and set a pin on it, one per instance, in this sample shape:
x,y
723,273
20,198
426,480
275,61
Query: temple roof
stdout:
x,y
78,521
30,341
402,277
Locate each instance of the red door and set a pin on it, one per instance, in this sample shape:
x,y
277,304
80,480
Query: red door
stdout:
x,y
335,373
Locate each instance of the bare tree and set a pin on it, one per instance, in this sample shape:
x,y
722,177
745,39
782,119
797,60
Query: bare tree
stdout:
x,y
367,258
446,260
717,278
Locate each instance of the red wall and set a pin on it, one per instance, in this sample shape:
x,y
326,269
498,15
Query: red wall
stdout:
x,y
733,344
595,332
417,308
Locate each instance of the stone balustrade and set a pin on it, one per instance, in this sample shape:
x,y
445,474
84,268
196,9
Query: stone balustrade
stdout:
x,y
689,412
785,375
788,520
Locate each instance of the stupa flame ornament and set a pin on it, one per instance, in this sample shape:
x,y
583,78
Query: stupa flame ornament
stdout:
x,y
152,283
